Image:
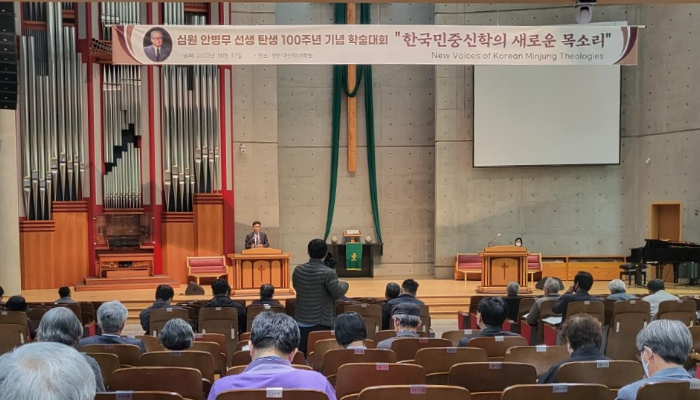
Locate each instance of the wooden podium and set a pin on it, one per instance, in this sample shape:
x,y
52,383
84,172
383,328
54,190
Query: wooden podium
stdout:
x,y
501,265
254,267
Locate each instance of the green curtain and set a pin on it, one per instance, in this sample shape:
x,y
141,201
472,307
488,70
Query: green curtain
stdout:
x,y
340,82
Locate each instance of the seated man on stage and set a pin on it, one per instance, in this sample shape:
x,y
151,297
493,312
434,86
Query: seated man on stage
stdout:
x,y
222,293
164,296
111,318
490,316
64,292
583,282
266,293
274,339
256,238
409,288
406,324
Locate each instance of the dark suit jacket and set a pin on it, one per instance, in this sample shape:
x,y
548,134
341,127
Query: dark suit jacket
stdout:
x,y
249,240
488,331
108,339
263,301
580,354
386,307
221,300
564,300
151,52
145,315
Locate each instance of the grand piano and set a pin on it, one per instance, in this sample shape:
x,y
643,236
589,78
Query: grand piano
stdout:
x,y
662,252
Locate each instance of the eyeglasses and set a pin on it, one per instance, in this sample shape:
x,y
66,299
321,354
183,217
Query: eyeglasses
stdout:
x,y
157,38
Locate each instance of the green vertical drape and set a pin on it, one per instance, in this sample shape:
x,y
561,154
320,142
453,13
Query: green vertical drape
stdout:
x,y
340,83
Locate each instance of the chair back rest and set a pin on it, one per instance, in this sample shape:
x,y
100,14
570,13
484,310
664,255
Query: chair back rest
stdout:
x,y
413,392
279,393
629,316
13,335
108,364
185,381
424,318
353,378
437,361
371,314
151,343
75,307
678,310
568,391
217,338
253,312
496,346
491,376
541,357
456,336
406,348
160,316
669,390
474,303
336,358
613,374
223,320
525,306
200,360
206,265
241,358
595,309
128,353
88,312
534,261
315,336
384,335
13,317
545,312
141,395
36,314
322,347
216,354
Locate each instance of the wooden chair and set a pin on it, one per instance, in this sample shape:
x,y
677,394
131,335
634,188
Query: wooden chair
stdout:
x,y
595,309
321,347
75,307
265,394
627,319
108,364
334,359
384,335
253,312
213,337
12,335
36,314
571,391
406,348
245,336
415,392
216,354
290,307
437,361
13,317
200,360
545,312
695,334
541,357
160,316
668,391
678,310
613,374
491,377
222,320
185,381
143,395
206,267
315,337
456,336
371,314
524,307
87,310
151,343
128,353
496,346
353,378
237,369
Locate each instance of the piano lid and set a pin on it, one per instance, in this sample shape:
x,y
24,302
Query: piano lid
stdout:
x,y
666,243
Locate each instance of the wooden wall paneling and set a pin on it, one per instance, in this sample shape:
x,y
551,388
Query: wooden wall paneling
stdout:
x,y
208,210
178,244
71,243
36,254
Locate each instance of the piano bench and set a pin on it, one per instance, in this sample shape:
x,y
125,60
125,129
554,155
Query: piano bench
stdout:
x,y
639,271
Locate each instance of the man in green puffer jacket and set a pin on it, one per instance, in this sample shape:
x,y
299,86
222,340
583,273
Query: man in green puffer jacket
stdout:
x,y
317,288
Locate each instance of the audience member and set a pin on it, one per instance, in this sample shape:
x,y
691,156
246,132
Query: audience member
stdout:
x,y
176,335
111,318
46,371
663,348
584,337
317,288
392,291
583,282
406,323
409,288
551,292
164,296
65,298
267,291
274,339
222,293
61,325
657,294
350,330
2,293
618,291
513,300
17,303
490,316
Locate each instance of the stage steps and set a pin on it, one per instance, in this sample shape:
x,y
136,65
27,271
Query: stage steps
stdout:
x,y
127,283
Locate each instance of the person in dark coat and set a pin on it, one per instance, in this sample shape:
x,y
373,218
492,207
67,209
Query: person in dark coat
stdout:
x,y
267,291
164,296
584,337
409,288
222,293
583,282
490,316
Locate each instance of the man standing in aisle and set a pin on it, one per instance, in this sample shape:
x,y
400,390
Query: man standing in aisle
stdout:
x,y
256,238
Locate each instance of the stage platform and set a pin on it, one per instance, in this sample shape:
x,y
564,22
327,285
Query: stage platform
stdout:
x,y
444,296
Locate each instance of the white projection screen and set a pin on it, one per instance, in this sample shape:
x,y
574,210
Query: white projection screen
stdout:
x,y
546,115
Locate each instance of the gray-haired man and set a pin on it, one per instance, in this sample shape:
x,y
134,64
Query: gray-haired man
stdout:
x,y
111,317
406,323
663,348
551,292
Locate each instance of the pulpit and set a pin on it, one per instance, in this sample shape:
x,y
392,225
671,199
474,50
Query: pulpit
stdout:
x,y
254,267
501,265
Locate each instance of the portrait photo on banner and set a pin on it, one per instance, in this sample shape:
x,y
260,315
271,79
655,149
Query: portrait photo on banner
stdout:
x,y
157,44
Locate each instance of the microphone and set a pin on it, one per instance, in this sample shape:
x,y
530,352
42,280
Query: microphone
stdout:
x,y
494,238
